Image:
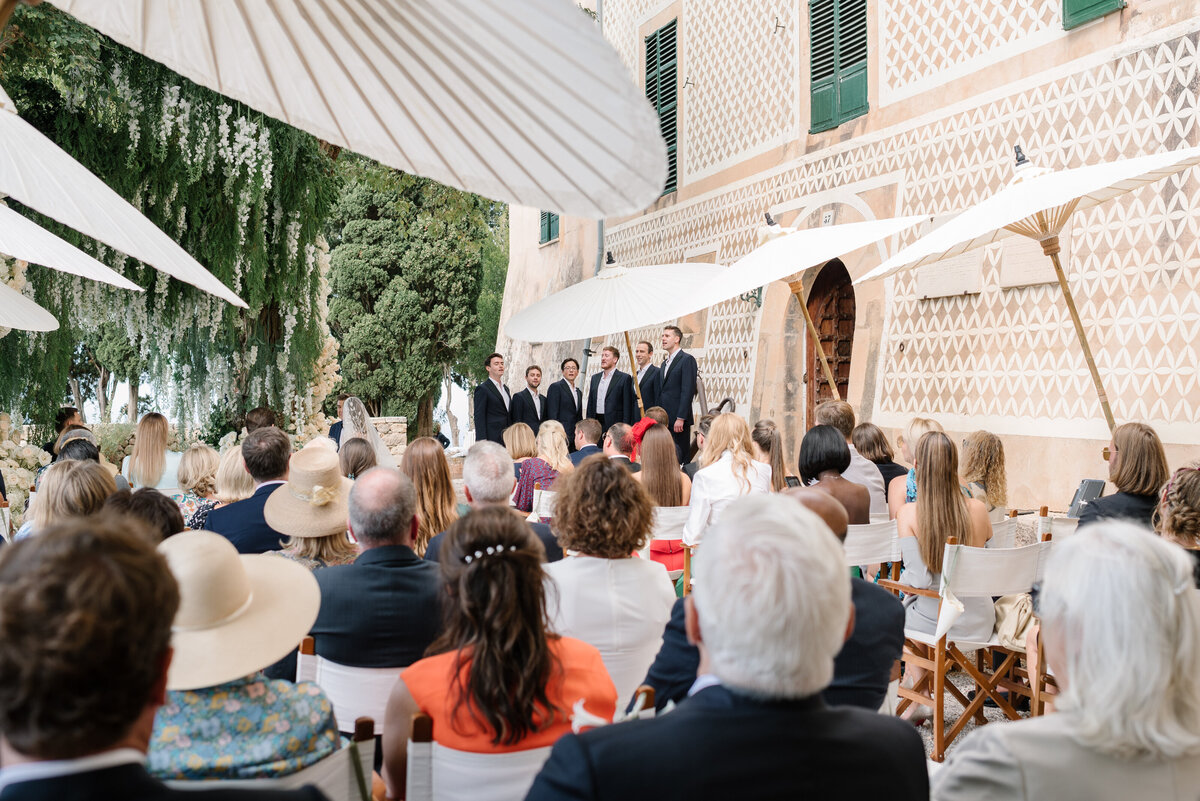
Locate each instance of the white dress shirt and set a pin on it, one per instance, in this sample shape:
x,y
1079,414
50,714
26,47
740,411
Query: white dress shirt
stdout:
x,y
602,389
537,401
621,606
715,487
667,362
500,388
865,472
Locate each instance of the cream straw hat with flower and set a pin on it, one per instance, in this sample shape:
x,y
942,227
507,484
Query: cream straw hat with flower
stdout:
x,y
314,501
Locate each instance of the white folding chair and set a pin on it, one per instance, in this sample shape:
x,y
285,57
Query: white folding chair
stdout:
x,y
437,773
344,775
880,517
872,544
1004,533
6,529
355,692
543,504
668,525
1063,527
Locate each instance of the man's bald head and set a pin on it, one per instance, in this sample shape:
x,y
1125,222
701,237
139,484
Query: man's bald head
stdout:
x,y
826,507
383,507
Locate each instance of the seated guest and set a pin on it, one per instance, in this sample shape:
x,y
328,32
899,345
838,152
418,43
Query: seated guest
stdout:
x,y
1115,603
902,492
197,478
770,611
222,718
618,446
69,489
309,509
872,444
658,414
496,680
521,444
1137,466
233,484
840,415
67,416
71,604
552,460
382,609
488,481
262,417
426,466
601,592
983,472
862,670
79,444
158,513
1178,517
824,459
728,472
702,429
265,454
73,433
768,447
666,485
152,464
356,457
587,440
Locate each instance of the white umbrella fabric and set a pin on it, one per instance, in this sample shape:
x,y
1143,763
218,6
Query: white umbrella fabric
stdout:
x,y
18,311
1038,204
518,100
41,175
22,238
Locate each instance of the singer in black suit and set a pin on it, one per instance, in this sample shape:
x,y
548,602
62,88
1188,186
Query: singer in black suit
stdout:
x,y
526,408
564,401
648,374
620,406
677,387
492,400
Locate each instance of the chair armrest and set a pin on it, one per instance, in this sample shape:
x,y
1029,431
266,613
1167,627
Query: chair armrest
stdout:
x,y
896,586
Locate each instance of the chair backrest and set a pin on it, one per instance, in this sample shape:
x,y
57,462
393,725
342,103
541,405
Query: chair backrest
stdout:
x,y
437,773
872,543
668,525
1063,527
543,504
344,775
880,517
355,691
973,572
1004,534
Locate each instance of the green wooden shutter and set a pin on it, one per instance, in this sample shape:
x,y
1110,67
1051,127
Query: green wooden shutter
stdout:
x,y
838,62
1077,12
549,227
662,90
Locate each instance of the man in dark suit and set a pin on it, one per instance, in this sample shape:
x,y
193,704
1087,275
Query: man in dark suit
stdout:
x,y
862,669
677,387
383,609
492,402
647,374
587,440
528,406
618,446
488,481
564,402
335,430
610,398
769,612
102,596
265,453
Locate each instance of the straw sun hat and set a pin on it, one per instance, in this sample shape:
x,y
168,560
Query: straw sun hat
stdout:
x,y
237,614
314,501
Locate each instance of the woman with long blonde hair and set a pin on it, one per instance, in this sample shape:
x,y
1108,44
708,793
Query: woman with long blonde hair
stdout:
x,y
151,464
425,463
728,470
69,489
903,489
551,460
983,472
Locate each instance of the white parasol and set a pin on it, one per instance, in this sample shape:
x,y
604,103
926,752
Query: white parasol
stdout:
x,y
1037,204
18,311
22,238
518,100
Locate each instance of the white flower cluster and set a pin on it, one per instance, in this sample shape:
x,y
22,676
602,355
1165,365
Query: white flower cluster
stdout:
x,y
19,464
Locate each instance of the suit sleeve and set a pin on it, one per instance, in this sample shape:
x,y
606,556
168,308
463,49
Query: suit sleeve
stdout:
x,y
551,405
630,403
590,405
567,774
687,389
481,429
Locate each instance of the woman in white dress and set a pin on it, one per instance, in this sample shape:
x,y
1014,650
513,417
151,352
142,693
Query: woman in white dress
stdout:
x,y
728,470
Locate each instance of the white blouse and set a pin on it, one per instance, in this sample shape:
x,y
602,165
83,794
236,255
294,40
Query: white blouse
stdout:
x,y
621,606
715,487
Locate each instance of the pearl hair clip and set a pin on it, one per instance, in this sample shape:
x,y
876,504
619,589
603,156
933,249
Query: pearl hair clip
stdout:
x,y
489,551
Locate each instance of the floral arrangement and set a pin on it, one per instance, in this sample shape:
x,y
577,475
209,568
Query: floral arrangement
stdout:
x,y
12,274
19,464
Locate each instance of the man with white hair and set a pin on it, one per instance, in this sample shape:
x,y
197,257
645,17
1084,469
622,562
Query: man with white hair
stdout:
x,y
770,611
488,480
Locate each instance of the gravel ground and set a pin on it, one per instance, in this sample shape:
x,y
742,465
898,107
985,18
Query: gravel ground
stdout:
x,y
954,710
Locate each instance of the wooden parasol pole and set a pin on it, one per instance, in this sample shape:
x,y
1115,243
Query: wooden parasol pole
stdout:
x,y
1051,248
798,290
637,387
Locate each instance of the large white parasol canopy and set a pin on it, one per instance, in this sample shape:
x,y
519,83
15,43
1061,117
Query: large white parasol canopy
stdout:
x,y
518,100
22,238
18,311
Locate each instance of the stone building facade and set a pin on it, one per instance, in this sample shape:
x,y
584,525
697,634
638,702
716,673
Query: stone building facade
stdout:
x,y
951,87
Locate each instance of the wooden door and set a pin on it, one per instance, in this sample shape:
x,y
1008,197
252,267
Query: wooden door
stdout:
x,y
831,304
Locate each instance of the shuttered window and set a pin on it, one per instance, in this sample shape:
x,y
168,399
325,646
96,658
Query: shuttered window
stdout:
x,y
838,58
549,225
662,89
1077,12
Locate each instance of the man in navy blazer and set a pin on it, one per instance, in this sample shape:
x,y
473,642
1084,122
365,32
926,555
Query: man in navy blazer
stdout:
x,y
676,388
492,402
770,611
564,401
647,374
265,452
610,397
587,440
335,430
383,609
528,405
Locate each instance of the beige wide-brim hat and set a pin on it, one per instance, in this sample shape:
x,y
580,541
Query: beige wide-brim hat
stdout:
x,y
237,614
315,500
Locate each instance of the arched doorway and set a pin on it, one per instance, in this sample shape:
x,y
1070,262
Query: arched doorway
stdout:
x,y
831,305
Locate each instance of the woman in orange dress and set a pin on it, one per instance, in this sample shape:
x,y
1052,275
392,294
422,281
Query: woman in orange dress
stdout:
x,y
497,680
